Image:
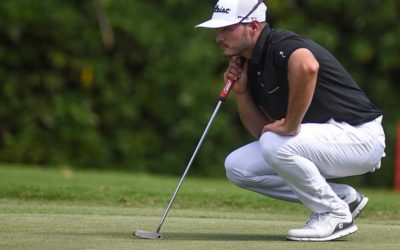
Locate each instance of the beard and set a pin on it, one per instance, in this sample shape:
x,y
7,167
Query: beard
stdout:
x,y
237,49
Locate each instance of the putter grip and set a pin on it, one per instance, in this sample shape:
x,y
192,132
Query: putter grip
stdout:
x,y
225,91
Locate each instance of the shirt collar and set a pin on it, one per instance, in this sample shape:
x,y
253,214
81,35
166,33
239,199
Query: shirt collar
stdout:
x,y
260,45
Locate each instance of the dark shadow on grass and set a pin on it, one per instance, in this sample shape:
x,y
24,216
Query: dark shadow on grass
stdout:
x,y
186,236
235,237
178,236
223,237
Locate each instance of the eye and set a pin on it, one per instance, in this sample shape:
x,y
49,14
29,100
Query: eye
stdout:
x,y
226,29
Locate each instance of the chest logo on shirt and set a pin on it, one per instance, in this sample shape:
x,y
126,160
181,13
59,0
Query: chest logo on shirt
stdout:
x,y
282,54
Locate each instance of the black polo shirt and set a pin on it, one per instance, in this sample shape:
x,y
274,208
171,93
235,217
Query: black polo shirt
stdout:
x,y
336,95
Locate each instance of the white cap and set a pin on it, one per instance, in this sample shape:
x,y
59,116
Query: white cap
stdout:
x,y
229,12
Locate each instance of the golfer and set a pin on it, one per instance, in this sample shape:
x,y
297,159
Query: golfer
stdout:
x,y
311,120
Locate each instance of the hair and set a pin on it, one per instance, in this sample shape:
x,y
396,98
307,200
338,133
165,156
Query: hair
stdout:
x,y
262,24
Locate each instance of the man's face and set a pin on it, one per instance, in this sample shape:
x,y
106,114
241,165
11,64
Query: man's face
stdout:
x,y
233,40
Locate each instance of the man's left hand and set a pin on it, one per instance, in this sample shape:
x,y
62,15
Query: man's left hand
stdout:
x,y
281,127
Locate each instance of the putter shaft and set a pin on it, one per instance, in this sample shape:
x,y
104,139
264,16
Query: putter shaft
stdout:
x,y
189,165
156,235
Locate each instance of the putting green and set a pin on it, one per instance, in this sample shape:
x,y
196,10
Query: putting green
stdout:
x,y
59,225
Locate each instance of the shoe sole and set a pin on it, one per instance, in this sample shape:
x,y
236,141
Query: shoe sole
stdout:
x,y
337,235
359,208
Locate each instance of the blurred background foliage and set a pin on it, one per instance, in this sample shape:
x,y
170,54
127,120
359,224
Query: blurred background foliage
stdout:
x,y
131,84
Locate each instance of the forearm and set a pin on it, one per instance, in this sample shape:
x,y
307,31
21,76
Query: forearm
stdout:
x,y
253,119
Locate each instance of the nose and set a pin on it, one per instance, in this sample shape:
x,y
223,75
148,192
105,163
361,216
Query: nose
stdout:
x,y
219,37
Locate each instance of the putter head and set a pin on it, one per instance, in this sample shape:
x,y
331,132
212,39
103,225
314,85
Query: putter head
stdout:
x,y
147,235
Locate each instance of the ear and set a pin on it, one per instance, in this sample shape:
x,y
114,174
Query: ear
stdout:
x,y
254,28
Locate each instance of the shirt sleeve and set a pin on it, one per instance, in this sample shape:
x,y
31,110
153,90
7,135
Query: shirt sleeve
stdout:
x,y
284,50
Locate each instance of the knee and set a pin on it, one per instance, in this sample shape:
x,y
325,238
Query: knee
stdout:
x,y
277,150
270,148
231,170
240,175
237,173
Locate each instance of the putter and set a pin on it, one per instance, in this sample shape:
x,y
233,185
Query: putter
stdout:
x,y
156,235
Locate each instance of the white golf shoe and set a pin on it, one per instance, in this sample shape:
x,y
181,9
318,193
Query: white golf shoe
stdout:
x,y
324,227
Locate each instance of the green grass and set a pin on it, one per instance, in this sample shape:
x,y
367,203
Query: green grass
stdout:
x,y
65,209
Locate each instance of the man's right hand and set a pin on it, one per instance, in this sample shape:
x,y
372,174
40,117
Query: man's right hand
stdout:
x,y
238,74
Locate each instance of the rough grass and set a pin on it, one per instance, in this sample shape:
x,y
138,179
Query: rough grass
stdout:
x,y
66,209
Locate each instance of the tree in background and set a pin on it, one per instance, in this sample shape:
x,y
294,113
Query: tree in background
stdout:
x,y
131,84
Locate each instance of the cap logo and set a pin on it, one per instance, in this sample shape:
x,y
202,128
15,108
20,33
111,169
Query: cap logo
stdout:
x,y
252,18
218,9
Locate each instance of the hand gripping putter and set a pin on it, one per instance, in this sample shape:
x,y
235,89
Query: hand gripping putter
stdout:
x,y
156,235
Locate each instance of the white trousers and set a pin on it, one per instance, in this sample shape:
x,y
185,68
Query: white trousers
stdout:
x,y
295,168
